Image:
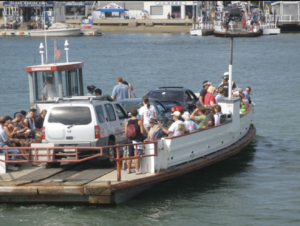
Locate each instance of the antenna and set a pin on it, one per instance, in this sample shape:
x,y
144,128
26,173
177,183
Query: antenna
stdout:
x,y
45,32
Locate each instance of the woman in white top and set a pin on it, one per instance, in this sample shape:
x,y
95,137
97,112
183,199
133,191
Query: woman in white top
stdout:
x,y
217,115
146,112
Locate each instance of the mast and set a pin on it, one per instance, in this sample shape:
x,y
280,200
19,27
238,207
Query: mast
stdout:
x,y
230,70
45,32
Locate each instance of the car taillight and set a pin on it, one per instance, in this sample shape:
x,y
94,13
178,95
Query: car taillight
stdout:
x,y
43,133
97,132
176,108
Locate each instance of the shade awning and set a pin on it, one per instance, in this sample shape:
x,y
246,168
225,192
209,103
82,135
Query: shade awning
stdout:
x,y
111,10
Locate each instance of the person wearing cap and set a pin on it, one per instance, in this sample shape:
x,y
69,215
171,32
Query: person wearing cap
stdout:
x,y
155,131
224,83
49,90
203,92
201,120
98,92
190,125
120,91
177,127
91,89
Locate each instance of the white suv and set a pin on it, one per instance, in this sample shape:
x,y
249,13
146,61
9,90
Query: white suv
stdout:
x,y
85,122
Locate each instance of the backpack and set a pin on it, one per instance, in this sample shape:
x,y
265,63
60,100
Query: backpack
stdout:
x,y
132,131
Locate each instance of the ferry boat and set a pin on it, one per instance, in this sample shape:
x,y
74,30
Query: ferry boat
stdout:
x,y
81,182
234,29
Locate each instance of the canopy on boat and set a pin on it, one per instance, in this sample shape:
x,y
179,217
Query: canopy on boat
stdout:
x,y
112,10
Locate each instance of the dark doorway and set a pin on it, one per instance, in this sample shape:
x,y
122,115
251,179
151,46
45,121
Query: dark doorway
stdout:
x,y
188,12
176,12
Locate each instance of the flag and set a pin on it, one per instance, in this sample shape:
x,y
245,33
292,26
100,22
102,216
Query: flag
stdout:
x,y
57,53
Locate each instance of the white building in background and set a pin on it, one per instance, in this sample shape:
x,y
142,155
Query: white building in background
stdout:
x,y
287,11
178,9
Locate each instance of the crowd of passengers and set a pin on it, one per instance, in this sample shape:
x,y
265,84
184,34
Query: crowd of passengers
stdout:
x,y
24,129
146,127
20,131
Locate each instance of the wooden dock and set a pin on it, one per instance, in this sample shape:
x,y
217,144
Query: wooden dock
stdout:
x,y
89,182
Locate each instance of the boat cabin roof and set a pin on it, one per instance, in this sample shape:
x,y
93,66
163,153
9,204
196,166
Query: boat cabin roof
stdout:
x,y
55,67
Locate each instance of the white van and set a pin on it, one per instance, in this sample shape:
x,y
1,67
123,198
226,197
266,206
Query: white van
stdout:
x,y
85,122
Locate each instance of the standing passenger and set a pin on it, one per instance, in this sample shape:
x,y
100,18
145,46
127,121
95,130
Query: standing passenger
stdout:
x,y
49,90
98,92
203,92
146,112
209,98
134,129
120,91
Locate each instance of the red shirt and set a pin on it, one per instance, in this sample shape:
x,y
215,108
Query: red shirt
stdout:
x,y
208,98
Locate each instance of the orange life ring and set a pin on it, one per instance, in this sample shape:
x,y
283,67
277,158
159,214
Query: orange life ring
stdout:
x,y
3,33
21,32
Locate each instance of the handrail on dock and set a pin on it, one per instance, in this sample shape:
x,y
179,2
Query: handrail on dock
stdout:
x,y
53,157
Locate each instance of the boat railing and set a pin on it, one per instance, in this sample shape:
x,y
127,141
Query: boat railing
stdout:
x,y
268,25
52,154
204,26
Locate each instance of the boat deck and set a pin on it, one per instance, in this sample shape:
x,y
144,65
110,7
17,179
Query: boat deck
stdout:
x,y
89,182
80,179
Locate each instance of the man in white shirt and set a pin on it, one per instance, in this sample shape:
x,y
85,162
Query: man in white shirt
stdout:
x,y
177,128
49,90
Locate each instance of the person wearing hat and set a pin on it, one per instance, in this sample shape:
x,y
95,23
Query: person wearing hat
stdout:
x,y
155,131
224,83
120,91
190,125
91,89
98,92
201,120
177,127
203,92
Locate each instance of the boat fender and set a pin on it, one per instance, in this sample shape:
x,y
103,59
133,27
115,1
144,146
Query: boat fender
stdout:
x,y
90,33
21,32
3,33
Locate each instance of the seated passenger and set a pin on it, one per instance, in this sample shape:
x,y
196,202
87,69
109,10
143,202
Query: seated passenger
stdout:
x,y
6,142
40,119
49,90
91,89
98,92
209,98
155,131
177,127
221,92
201,120
217,115
190,126
21,132
209,116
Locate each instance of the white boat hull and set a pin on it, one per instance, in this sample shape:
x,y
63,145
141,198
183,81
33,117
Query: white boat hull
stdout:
x,y
196,32
55,32
271,31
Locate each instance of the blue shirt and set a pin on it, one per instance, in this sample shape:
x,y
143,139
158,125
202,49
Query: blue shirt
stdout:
x,y
246,95
121,91
191,126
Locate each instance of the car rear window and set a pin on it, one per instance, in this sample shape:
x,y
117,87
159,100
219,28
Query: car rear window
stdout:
x,y
166,95
130,105
70,115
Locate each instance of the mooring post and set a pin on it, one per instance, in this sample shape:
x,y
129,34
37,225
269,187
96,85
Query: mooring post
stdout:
x,y
118,163
230,70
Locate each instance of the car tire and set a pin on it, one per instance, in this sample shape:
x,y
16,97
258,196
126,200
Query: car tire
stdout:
x,y
111,152
54,164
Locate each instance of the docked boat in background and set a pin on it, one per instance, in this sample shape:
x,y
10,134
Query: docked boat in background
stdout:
x,y
234,28
56,30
